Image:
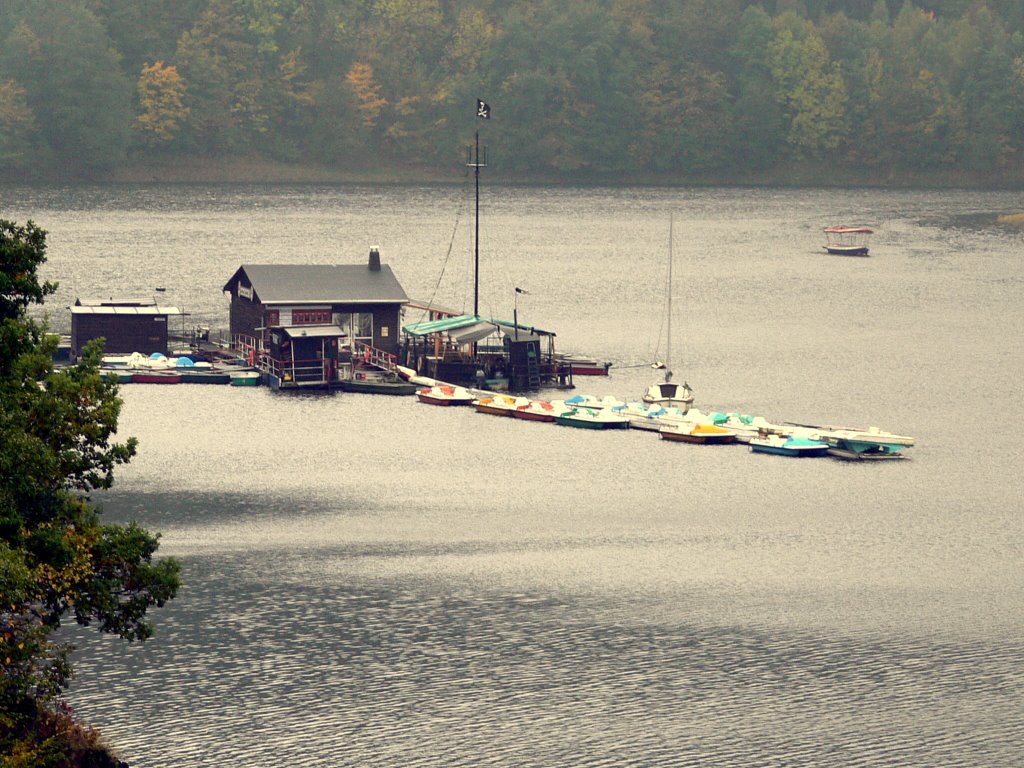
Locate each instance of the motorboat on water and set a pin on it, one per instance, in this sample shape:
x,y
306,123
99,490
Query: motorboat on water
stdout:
x,y
847,241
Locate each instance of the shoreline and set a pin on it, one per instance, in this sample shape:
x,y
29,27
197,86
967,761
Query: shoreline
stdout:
x,y
255,170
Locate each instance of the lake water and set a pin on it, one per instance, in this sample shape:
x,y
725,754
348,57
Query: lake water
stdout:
x,y
373,581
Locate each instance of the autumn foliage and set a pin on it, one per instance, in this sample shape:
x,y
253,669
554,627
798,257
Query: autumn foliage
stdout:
x,y
579,87
162,103
371,103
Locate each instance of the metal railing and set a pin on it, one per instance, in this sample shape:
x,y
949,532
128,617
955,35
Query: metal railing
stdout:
x,y
310,371
363,352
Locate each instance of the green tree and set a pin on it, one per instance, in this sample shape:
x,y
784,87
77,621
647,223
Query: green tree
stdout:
x,y
17,126
145,31
810,88
249,85
57,559
851,44
565,87
219,63
59,53
757,130
920,122
984,81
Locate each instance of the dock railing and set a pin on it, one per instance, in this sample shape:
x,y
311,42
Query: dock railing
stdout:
x,y
249,348
314,372
365,353
287,371
309,372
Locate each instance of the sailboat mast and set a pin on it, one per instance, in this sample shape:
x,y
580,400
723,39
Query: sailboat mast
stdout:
x,y
476,237
476,164
668,340
483,111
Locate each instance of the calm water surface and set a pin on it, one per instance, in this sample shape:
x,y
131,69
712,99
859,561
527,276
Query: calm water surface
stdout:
x,y
372,581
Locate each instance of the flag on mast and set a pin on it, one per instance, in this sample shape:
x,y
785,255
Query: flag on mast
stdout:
x,y
483,109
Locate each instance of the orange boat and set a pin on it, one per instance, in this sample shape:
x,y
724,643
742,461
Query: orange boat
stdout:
x,y
499,405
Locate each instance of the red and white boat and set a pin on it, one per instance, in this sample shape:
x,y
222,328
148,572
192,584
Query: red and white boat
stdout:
x,y
581,366
535,410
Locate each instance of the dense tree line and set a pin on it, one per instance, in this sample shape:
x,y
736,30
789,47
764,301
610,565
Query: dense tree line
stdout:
x,y
676,87
58,560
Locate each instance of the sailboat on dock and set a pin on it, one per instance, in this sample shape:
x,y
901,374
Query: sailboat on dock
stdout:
x,y
669,393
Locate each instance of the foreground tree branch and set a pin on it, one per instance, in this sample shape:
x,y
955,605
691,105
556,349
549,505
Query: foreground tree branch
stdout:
x,y
57,560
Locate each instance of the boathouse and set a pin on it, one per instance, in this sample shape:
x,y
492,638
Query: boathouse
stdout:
x,y
128,325
302,323
454,347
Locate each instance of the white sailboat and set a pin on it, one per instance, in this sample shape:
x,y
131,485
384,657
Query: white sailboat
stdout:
x,y
668,393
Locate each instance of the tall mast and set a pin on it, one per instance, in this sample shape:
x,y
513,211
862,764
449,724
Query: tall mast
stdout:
x,y
476,234
668,342
476,164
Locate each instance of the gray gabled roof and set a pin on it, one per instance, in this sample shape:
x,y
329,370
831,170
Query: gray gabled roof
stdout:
x,y
320,284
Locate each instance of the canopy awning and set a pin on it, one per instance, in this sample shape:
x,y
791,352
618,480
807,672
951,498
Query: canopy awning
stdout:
x,y
444,325
468,328
475,332
849,231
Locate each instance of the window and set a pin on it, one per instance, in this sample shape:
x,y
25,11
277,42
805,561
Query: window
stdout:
x,y
311,316
356,325
364,325
273,317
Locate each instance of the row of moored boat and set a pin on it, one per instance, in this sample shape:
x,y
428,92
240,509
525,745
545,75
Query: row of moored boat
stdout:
x,y
675,424
159,369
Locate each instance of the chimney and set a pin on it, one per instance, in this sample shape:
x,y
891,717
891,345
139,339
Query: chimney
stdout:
x,y
374,264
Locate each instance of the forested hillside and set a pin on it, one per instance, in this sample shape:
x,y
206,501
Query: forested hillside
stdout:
x,y
578,88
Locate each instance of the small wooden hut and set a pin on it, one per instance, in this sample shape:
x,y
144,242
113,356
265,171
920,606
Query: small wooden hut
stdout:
x,y
128,325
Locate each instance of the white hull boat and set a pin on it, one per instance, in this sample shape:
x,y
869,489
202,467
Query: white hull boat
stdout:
x,y
668,393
